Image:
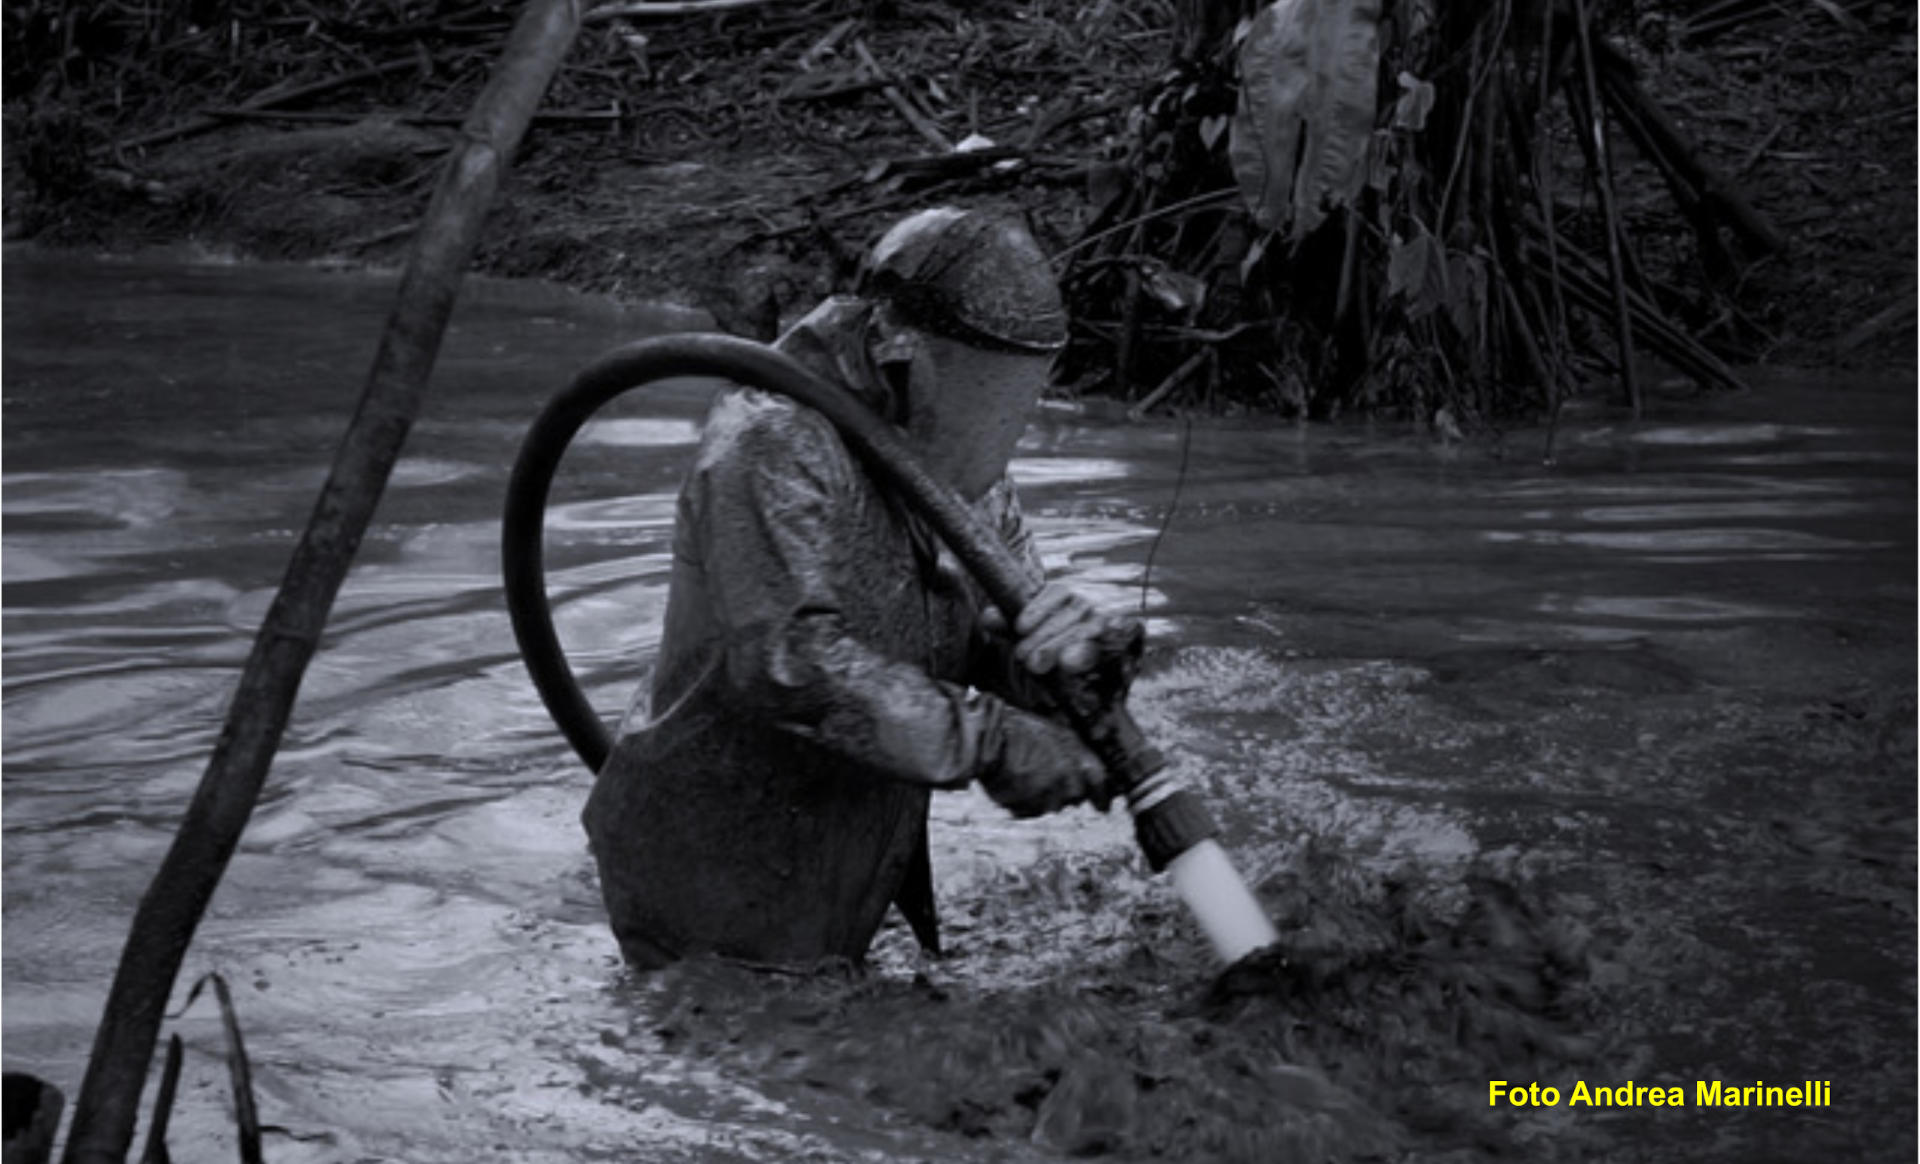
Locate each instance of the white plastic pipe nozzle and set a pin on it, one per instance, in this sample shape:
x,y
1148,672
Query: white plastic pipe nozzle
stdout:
x,y
1232,919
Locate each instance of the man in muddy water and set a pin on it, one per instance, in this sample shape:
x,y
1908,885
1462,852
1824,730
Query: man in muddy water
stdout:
x,y
825,663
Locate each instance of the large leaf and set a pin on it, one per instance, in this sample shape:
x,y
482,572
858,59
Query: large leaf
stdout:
x,y
1417,271
1307,82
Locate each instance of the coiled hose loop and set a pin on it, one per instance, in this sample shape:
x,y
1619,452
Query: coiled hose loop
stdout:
x,y
1168,826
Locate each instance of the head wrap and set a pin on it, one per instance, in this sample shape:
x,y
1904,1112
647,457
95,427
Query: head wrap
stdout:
x,y
972,276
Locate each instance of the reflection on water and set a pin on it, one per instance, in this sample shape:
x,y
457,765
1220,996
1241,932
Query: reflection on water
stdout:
x,y
641,432
1687,646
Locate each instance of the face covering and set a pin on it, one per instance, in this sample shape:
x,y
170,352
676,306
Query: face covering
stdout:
x,y
968,407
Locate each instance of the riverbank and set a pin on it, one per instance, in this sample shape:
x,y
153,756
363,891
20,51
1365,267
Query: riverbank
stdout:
x,y
739,162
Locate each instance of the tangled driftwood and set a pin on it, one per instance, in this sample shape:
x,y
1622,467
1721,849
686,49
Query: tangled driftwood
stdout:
x,y
1359,204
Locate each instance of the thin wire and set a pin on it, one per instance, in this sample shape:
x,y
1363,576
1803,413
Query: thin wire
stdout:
x,y
1060,258
1179,481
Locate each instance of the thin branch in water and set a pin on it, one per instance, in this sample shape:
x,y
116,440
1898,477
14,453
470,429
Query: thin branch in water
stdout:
x,y
156,1151
1166,522
245,1112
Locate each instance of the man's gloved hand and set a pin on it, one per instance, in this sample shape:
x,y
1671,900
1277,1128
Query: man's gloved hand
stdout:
x,y
1041,767
1061,628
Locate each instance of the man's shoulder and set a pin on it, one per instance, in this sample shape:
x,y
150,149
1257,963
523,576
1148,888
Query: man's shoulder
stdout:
x,y
749,427
831,341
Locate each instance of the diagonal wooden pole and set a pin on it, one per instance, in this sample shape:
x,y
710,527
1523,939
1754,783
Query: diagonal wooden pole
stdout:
x,y
163,926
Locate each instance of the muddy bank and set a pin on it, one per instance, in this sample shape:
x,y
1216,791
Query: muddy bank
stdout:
x,y
738,163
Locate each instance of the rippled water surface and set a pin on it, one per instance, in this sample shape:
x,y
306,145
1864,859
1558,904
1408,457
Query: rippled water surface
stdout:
x,y
1658,698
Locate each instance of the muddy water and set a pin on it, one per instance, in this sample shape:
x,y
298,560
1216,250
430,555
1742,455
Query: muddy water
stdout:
x,y
1601,772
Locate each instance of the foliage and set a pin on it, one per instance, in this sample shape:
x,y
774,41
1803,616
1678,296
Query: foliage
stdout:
x,y
1386,224
296,128
786,152
1299,137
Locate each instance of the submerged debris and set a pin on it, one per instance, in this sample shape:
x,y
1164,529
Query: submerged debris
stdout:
x,y
1369,1032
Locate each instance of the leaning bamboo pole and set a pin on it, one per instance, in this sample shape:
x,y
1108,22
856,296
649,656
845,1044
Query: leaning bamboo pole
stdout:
x,y
163,926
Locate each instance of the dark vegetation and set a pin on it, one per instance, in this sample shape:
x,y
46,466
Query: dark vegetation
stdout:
x,y
1450,247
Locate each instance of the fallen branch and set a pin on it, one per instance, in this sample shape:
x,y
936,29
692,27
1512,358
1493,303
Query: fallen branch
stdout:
x,y
865,208
1585,280
1053,122
1759,151
268,100
436,25
1203,335
1900,311
171,909
328,117
1841,16
921,123
945,167
1174,379
645,8
1655,132
369,241
827,89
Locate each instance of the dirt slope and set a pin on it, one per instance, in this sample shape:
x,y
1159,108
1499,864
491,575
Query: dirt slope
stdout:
x,y
738,162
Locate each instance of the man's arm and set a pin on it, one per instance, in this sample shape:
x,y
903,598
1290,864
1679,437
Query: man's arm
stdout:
x,y
1058,627
776,516
990,663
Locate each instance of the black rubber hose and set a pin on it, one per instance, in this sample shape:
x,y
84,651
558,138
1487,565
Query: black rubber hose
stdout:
x,y
1169,819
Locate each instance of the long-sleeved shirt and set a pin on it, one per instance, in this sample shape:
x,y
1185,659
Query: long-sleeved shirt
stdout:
x,y
816,680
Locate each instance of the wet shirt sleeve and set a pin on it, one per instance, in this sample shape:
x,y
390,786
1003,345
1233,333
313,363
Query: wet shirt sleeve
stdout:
x,y
779,517
990,665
